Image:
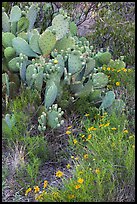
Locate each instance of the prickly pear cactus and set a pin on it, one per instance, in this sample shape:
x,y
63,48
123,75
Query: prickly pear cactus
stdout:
x,y
15,14
107,100
60,25
5,22
34,43
54,115
7,39
30,72
21,46
32,15
42,122
117,64
22,24
65,43
14,64
100,80
47,42
9,53
73,28
74,62
117,106
50,94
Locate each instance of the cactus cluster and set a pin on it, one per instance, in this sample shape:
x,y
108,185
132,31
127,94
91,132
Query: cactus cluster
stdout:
x,y
50,60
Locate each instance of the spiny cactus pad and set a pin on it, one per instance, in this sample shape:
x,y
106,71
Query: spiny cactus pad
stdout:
x,y
107,100
34,44
54,116
9,53
61,26
32,15
21,46
7,39
100,80
65,43
15,14
5,22
22,24
50,95
74,62
47,42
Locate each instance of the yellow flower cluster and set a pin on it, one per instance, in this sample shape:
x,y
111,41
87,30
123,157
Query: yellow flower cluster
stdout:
x,y
91,128
59,174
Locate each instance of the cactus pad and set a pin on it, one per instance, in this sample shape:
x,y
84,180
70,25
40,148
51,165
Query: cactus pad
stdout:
x,y
61,26
47,42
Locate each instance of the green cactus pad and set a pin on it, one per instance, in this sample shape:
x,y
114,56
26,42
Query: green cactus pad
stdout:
x,y
50,95
22,24
32,15
100,80
34,43
61,26
117,106
39,81
7,39
14,28
86,90
54,117
65,43
47,42
73,28
107,100
116,64
9,53
21,46
12,64
90,65
5,22
23,35
104,58
15,14
74,62
31,69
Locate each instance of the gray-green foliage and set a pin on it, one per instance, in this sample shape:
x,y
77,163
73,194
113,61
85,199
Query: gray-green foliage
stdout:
x,y
115,27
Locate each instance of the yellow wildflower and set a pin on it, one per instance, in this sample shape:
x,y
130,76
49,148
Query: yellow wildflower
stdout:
x,y
68,132
86,114
59,174
36,189
119,70
103,68
77,186
107,124
45,184
85,156
101,125
113,128
125,131
83,136
117,83
68,166
80,180
69,127
124,70
72,157
89,137
71,196
91,128
108,68
27,191
97,171
76,158
75,141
